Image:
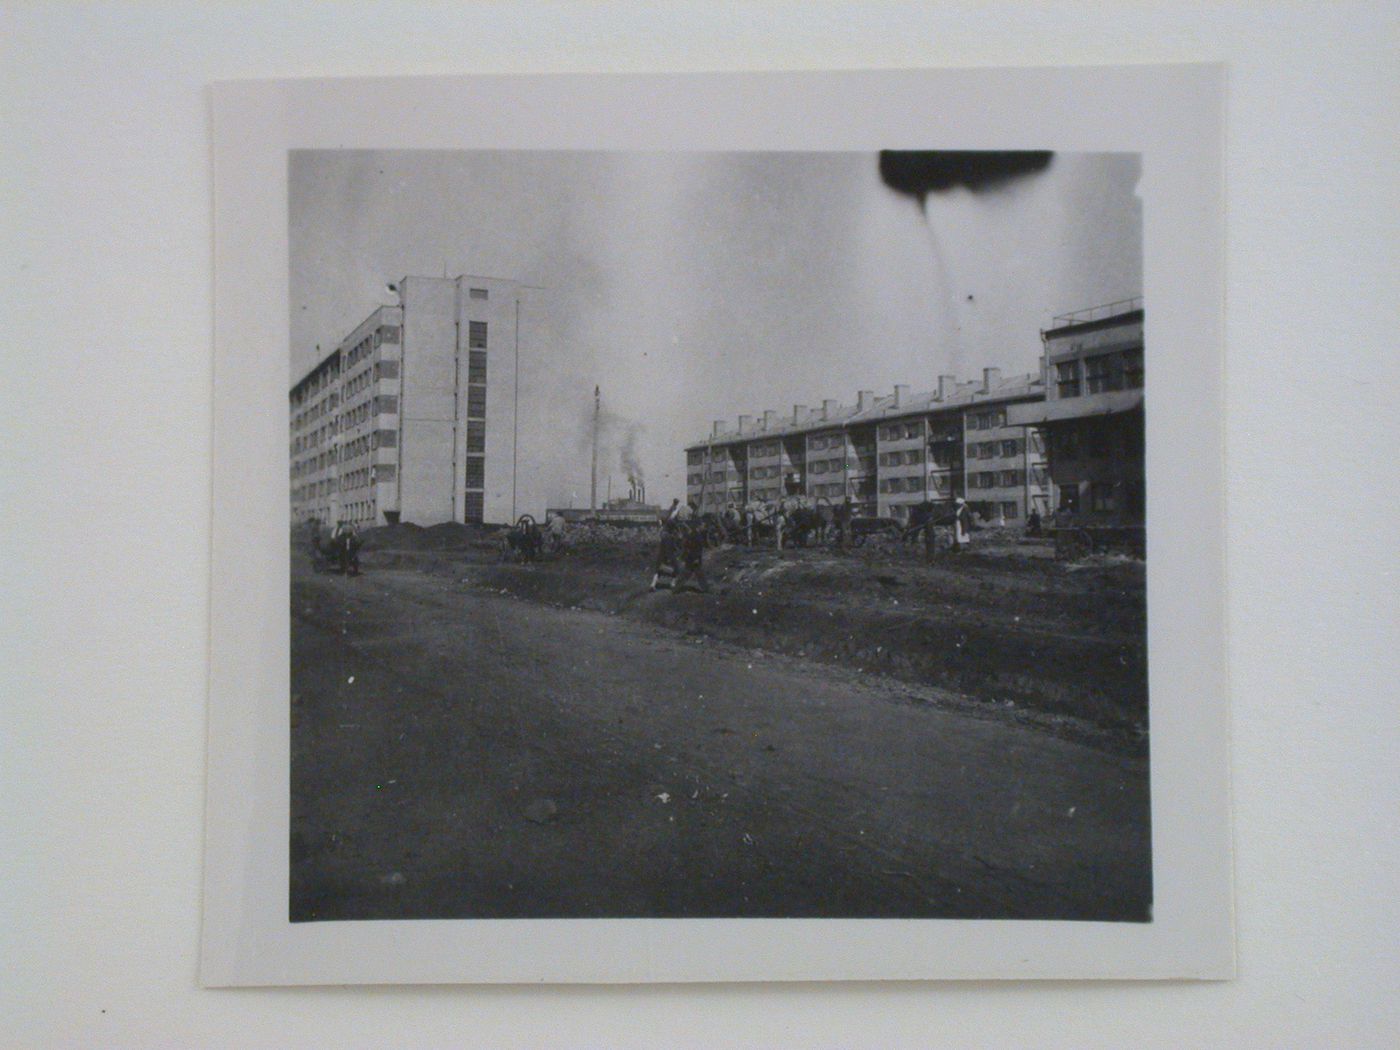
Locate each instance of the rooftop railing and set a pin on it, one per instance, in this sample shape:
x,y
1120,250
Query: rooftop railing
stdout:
x,y
1097,313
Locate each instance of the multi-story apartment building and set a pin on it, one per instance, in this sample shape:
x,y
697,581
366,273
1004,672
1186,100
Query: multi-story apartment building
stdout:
x,y
412,416
886,453
1092,413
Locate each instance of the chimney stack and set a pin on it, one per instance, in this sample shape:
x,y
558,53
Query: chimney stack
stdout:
x,y
947,385
798,413
828,408
990,378
770,418
745,423
865,400
901,395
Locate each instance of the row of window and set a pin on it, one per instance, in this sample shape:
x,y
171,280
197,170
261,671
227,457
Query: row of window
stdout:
x,y
316,411
1121,370
902,431
914,483
996,479
988,420
365,476
822,441
318,382
359,511
902,458
994,449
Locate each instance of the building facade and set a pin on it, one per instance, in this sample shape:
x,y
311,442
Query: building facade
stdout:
x,y
1092,414
886,453
412,417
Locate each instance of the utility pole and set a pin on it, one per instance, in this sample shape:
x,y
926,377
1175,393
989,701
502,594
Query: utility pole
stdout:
x,y
593,488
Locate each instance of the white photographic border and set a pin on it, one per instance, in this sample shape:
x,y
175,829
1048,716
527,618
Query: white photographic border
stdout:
x,y
1172,115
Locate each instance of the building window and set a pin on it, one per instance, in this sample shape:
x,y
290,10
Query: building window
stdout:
x,y
475,507
389,334
1010,448
476,472
1103,373
1132,369
476,401
1010,511
476,335
386,403
1067,378
477,293
385,472
387,369
476,367
388,438
1101,496
1010,478
1068,444
476,435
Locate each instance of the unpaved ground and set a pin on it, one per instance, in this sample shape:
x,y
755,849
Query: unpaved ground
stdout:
x,y
1007,625
457,752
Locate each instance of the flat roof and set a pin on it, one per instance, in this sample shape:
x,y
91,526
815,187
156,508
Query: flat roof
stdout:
x,y
1013,388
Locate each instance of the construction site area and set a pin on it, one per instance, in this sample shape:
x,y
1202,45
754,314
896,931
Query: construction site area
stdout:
x,y
484,731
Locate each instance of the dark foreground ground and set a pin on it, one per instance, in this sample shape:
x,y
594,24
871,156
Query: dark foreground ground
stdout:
x,y
459,752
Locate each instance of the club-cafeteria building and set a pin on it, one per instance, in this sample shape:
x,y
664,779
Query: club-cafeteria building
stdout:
x,y
412,416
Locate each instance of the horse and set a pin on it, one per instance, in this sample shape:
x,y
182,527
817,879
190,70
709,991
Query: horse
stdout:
x,y
524,541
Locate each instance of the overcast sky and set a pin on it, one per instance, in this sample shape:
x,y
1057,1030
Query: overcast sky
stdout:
x,y
696,287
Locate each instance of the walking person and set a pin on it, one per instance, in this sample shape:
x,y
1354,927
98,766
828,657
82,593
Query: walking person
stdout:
x,y
692,547
843,524
667,552
962,526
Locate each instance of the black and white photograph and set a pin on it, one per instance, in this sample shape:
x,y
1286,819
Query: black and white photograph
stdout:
x,y
717,534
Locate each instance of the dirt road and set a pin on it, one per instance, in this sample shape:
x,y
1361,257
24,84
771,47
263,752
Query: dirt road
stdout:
x,y
464,754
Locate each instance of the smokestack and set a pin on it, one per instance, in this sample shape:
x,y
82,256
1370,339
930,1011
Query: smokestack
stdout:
x,y
798,412
745,423
828,408
901,395
593,486
865,400
990,378
946,387
770,419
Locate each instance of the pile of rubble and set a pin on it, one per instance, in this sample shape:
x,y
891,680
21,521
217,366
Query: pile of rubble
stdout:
x,y
601,534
